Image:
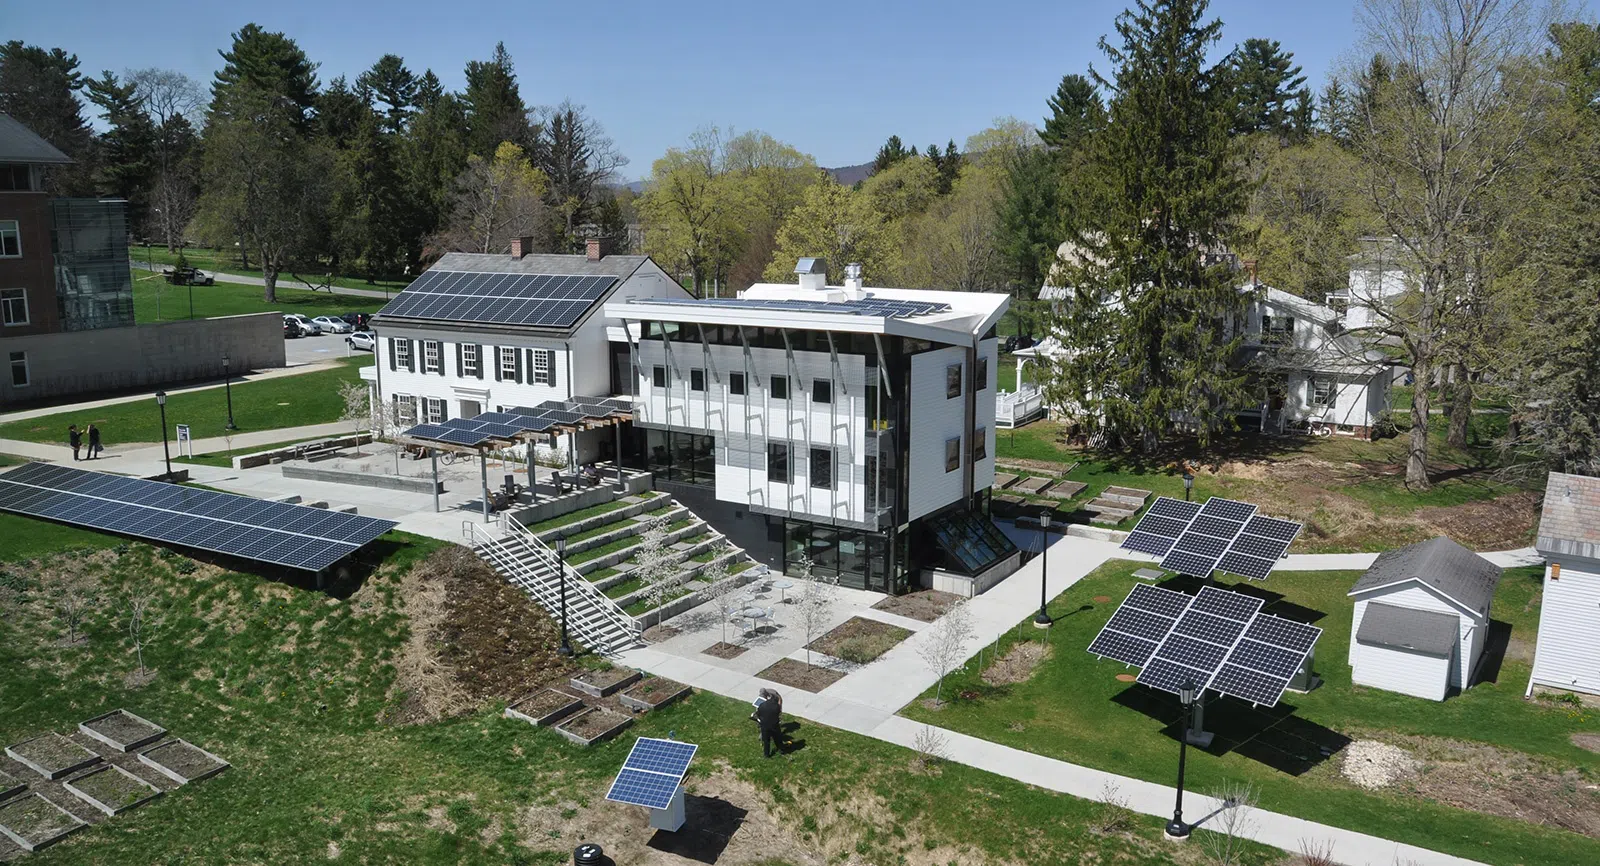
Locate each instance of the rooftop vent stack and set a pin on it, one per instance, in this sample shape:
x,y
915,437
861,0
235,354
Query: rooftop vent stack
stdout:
x,y
521,247
852,277
813,274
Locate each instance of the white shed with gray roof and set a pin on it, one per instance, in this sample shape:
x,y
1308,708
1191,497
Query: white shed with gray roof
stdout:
x,y
1421,619
1567,655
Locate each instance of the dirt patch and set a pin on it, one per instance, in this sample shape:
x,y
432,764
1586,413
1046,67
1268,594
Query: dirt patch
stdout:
x,y
860,640
927,605
659,633
799,675
1587,741
724,650
1018,664
1492,524
593,722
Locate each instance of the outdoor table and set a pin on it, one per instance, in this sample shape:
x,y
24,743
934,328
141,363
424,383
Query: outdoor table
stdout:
x,y
753,614
783,586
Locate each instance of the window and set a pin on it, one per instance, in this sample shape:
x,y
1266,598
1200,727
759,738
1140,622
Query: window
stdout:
x,y
402,353
736,383
821,391
435,410
952,381
697,379
1321,392
10,240
508,364
405,409
19,369
980,376
952,454
431,362
780,387
822,468
658,376
13,307
980,444
544,366
471,362
778,462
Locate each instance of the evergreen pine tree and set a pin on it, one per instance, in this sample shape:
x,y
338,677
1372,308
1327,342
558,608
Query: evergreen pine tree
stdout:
x,y
264,62
393,85
126,154
892,152
495,110
1267,87
1075,112
39,89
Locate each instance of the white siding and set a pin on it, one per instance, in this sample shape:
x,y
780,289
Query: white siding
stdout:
x,y
936,418
1568,652
1404,672
1367,664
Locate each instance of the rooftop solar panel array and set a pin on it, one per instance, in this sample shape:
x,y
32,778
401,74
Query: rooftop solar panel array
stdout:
x,y
535,300
869,306
652,773
1218,640
291,535
1222,534
507,425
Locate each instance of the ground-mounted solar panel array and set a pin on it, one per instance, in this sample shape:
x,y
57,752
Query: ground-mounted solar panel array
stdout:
x,y
869,306
1221,535
652,773
534,300
291,535
1217,640
507,425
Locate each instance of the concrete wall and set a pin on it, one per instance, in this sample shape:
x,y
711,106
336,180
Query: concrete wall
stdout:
x,y
146,356
362,479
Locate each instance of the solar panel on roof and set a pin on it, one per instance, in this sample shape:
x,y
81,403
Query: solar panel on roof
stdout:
x,y
542,300
884,307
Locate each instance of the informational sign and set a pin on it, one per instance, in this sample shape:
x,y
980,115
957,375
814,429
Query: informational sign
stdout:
x,y
185,444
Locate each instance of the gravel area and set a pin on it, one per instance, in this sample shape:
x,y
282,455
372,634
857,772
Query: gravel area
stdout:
x,y
1373,765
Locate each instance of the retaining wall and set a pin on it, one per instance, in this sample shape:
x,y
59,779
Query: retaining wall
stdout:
x,y
383,482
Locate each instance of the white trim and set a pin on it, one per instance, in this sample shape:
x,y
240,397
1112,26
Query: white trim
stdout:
x,y
5,302
16,232
432,356
471,361
1475,615
27,371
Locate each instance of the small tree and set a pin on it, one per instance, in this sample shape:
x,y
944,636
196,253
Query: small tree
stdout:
x,y
655,563
817,595
945,645
720,588
357,405
1232,830
72,599
140,611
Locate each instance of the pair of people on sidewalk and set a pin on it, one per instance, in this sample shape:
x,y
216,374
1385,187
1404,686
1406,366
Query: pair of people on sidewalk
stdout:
x,y
75,438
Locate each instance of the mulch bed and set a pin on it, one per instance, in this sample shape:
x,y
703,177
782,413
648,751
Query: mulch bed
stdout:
x,y
544,703
114,787
724,650
799,675
1018,664
860,640
497,642
659,633
603,680
926,605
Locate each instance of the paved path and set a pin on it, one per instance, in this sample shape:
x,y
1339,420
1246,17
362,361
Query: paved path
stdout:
x,y
247,280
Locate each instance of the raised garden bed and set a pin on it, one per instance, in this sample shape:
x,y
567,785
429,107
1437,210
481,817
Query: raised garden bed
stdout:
x,y
926,605
653,693
544,708
122,730
598,684
10,786
593,725
34,822
112,789
859,640
52,755
799,675
182,761
724,650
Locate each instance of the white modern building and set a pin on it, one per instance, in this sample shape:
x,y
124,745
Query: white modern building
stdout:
x,y
487,332
1568,652
849,426
1422,619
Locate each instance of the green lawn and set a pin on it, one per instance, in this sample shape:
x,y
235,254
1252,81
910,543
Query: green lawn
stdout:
x,y
156,301
285,401
224,460
297,691
228,263
1074,709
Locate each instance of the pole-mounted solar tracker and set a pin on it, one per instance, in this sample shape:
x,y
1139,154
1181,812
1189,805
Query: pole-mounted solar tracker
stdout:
x,y
1221,535
652,777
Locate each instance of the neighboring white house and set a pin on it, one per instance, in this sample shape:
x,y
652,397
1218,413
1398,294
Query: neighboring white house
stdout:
x,y
1422,619
1567,655
848,426
484,332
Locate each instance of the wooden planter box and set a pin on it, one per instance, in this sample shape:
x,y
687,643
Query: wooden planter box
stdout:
x,y
122,730
34,822
599,684
52,755
9,786
112,789
543,708
182,761
653,693
593,725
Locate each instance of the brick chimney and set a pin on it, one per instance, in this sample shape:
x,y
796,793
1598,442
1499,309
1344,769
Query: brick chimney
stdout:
x,y
521,247
598,248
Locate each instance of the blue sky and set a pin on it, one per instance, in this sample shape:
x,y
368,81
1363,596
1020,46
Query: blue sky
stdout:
x,y
832,78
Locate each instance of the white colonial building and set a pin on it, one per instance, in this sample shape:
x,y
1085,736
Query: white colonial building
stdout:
x,y
1567,655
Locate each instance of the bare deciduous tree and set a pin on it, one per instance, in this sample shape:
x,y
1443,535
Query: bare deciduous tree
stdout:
x,y
721,587
816,599
357,398
141,612
72,599
1229,832
946,644
931,746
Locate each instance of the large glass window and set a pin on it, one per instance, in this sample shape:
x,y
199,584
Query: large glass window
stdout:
x,y
780,387
10,239
822,468
682,457
952,381
821,391
13,307
736,384
778,462
658,376
697,379
19,369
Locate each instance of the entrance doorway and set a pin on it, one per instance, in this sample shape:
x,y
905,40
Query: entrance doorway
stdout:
x,y
471,408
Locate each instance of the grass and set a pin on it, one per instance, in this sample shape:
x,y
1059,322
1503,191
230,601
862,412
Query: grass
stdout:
x,y
1073,709
154,300
269,404
293,687
228,263
647,604
604,550
580,514
625,587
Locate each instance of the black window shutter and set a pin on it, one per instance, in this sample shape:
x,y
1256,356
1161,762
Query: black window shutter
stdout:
x,y
412,347
461,369
479,350
391,354
516,358
551,354
497,363
441,357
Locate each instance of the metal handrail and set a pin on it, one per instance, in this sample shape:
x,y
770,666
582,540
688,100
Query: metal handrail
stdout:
x,y
548,595
607,607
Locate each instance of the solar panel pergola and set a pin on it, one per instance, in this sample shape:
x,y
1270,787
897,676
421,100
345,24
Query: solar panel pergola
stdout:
x,y
296,536
1221,535
652,777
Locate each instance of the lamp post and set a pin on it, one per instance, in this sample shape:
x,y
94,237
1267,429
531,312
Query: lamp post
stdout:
x,y
561,559
161,401
1176,829
1043,619
1188,482
227,387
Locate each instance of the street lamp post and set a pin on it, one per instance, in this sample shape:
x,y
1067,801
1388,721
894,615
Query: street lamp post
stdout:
x,y
1043,618
161,401
1176,828
227,387
1188,483
561,559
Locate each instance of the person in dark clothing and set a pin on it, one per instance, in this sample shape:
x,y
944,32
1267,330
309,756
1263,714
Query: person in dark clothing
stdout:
x,y
94,442
76,438
769,716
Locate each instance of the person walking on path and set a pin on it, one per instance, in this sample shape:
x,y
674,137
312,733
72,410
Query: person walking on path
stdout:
x,y
94,442
75,438
769,715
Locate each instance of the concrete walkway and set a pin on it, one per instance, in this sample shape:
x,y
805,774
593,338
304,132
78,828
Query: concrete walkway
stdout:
x,y
247,280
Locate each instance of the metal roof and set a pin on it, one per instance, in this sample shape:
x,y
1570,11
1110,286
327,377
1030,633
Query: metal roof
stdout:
x,y
1570,522
21,144
869,306
620,267
1421,631
1448,568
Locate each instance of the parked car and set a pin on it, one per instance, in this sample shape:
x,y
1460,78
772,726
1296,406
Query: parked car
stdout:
x,y
357,320
307,326
364,340
189,277
291,328
333,325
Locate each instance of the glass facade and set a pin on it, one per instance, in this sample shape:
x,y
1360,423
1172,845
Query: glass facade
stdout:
x,y
686,458
94,288
859,559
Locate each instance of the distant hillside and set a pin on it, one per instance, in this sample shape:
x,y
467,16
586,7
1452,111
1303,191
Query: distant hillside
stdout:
x,y
847,175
